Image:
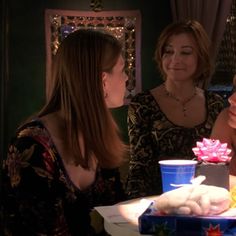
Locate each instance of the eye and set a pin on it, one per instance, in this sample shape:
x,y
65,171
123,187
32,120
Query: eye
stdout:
x,y
168,51
186,52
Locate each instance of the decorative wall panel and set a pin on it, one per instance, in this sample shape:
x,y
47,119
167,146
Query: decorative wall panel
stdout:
x,y
125,25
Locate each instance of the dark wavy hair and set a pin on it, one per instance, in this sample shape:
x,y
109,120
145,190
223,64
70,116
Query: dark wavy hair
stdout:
x,y
194,28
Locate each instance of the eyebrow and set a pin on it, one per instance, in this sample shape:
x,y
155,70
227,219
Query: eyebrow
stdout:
x,y
185,46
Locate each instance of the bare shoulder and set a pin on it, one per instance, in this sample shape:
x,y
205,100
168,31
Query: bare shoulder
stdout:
x,y
157,91
200,92
221,129
159,94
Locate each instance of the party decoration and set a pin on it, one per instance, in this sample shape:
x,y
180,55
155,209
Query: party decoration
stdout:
x,y
212,150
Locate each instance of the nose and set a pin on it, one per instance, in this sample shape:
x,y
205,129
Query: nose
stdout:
x,y
126,77
175,57
232,99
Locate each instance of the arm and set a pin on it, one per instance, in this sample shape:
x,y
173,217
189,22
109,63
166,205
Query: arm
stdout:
x,y
30,205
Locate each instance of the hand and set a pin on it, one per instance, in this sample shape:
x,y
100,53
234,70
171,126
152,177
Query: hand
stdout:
x,y
194,200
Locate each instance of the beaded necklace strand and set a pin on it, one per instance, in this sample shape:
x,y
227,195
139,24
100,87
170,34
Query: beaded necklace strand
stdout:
x,y
183,103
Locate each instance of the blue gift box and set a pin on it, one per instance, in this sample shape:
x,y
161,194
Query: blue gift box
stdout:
x,y
154,223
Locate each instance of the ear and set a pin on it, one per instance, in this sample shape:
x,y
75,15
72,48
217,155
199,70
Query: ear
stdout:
x,y
104,80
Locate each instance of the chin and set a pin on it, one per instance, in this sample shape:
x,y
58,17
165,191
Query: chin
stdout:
x,y
115,105
120,104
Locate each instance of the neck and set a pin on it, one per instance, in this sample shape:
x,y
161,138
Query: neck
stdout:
x,y
180,91
183,99
55,124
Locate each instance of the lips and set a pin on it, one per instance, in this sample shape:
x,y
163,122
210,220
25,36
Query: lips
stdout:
x,y
176,69
231,113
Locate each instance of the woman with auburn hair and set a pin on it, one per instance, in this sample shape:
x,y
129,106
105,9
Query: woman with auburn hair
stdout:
x,y
167,121
65,160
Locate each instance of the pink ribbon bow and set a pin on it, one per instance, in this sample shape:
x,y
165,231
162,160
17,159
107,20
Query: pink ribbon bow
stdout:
x,y
211,150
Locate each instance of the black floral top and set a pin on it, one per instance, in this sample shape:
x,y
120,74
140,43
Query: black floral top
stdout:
x,y
38,195
153,137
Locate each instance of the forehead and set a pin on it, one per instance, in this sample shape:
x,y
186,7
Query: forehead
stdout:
x,y
183,39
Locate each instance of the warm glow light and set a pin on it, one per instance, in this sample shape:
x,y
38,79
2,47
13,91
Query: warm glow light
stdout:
x,y
132,211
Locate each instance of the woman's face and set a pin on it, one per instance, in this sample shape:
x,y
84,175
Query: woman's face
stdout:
x,y
232,107
115,84
180,60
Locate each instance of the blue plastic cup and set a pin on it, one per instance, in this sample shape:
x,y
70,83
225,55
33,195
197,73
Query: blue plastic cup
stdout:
x,y
176,173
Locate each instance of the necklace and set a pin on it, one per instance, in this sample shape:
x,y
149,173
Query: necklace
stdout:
x,y
183,103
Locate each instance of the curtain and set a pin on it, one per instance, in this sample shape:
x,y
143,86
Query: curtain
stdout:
x,y
212,14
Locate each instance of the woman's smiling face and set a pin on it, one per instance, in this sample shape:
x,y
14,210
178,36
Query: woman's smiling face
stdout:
x,y
180,59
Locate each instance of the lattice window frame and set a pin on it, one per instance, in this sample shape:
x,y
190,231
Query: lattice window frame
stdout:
x,y
125,25
225,67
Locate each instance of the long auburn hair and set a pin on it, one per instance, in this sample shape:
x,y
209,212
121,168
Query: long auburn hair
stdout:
x,y
194,28
76,89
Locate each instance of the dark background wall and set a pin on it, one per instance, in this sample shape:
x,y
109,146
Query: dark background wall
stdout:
x,y
27,52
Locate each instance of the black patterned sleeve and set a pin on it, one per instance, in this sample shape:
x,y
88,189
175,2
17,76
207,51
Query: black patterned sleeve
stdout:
x,y
139,181
28,191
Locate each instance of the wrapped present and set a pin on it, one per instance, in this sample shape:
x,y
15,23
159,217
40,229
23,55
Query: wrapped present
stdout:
x,y
213,162
165,215
154,223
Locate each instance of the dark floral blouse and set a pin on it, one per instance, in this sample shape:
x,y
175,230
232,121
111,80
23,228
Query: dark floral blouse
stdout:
x,y
153,137
38,195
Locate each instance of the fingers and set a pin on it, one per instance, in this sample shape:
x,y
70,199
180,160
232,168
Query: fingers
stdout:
x,y
205,204
183,210
195,200
194,207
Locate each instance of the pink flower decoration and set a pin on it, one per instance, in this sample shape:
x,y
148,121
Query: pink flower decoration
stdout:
x,y
211,150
